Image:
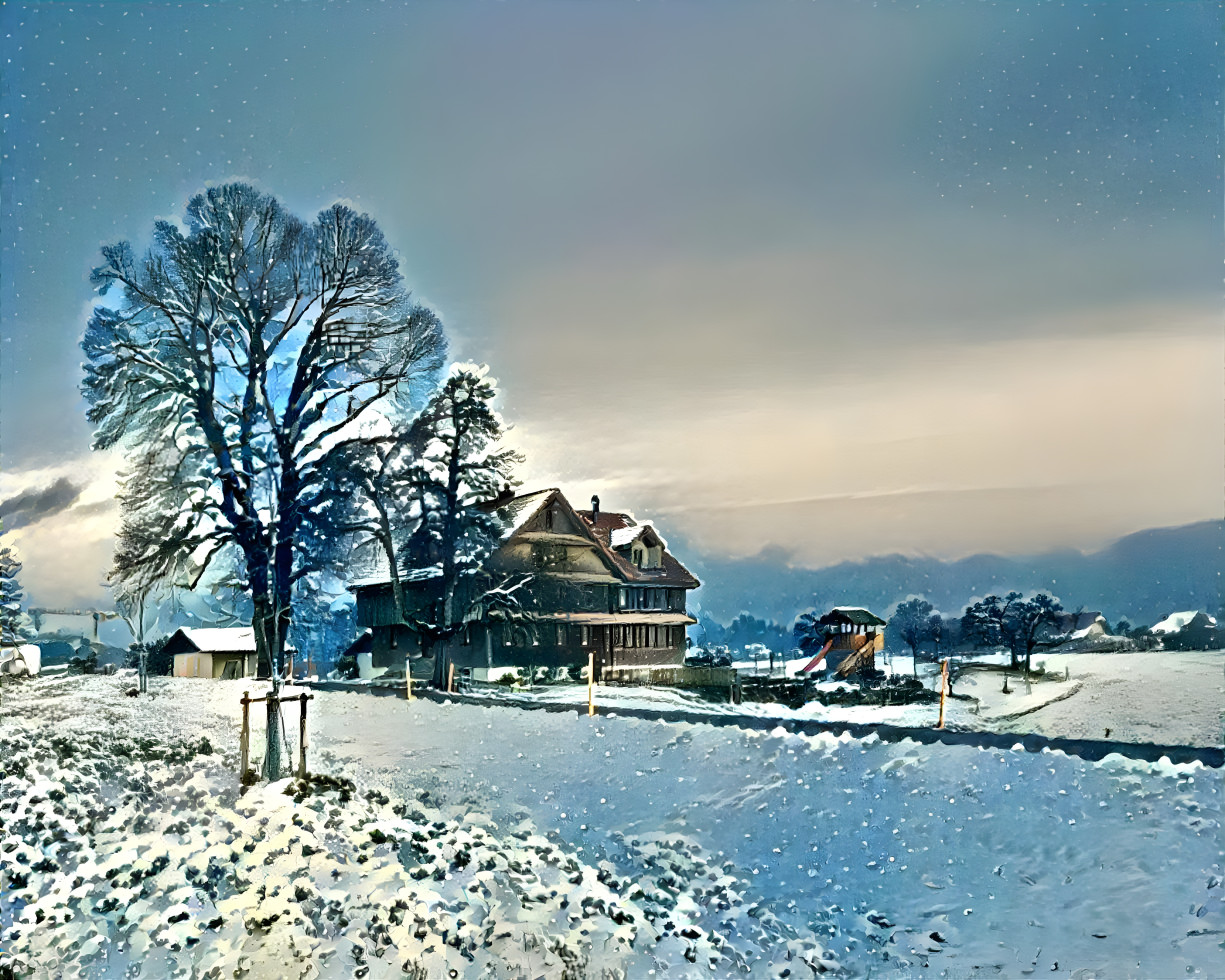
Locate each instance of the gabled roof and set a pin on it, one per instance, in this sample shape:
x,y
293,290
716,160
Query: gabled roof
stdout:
x,y
855,615
215,639
220,639
1180,620
522,509
616,531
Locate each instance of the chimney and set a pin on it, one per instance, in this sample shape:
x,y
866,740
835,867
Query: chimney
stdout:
x,y
595,508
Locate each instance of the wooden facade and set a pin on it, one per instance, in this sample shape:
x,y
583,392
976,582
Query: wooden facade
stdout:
x,y
619,597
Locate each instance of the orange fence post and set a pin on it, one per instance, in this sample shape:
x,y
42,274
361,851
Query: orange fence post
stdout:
x,y
591,684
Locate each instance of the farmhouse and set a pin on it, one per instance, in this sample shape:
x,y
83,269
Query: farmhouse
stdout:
x,y
218,652
853,638
594,583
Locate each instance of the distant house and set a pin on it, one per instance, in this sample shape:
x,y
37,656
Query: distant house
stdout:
x,y
853,638
221,653
599,583
1190,630
1083,624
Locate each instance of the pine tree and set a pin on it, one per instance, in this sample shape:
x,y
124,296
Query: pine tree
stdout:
x,y
460,467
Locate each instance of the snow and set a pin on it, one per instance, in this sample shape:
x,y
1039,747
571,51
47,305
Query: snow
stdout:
x,y
24,658
221,638
604,846
619,537
1176,621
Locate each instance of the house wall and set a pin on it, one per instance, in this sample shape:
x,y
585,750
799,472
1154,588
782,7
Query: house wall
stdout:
x,y
246,662
212,665
193,665
562,645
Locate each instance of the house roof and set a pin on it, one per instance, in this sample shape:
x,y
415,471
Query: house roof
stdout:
x,y
609,532
1176,621
214,639
615,531
406,576
855,615
519,510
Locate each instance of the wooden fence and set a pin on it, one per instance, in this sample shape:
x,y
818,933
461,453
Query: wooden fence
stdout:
x,y
671,676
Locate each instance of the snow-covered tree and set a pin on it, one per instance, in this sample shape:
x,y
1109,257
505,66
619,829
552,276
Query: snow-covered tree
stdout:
x,y
810,633
241,356
14,623
461,466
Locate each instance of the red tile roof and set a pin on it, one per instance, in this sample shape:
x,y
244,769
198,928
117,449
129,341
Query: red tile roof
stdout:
x,y
670,572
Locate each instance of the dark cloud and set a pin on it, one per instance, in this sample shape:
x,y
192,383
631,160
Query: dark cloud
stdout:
x,y
32,506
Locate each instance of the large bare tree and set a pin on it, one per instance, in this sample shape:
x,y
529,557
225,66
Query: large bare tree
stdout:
x,y
235,363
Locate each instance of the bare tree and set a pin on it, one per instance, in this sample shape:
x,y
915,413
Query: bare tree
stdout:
x,y
247,349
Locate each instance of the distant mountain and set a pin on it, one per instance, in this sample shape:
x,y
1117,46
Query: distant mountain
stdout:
x,y
1142,577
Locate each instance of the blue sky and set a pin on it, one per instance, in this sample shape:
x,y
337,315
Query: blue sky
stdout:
x,y
845,278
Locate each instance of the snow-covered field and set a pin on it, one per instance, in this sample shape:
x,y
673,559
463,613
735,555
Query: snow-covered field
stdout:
x,y
1164,698
492,841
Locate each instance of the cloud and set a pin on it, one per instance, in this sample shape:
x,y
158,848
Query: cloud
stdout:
x,y
32,506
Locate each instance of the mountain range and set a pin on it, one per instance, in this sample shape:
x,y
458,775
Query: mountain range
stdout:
x,y
1142,577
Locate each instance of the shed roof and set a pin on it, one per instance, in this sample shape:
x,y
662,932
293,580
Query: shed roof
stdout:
x,y
855,615
214,639
220,639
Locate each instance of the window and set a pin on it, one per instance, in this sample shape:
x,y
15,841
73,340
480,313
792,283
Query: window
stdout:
x,y
638,557
546,555
548,519
586,635
561,635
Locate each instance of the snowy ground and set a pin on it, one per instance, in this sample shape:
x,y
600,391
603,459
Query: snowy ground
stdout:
x,y
1165,698
511,843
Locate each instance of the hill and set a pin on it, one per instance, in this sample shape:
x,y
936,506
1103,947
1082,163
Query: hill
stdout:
x,y
1144,577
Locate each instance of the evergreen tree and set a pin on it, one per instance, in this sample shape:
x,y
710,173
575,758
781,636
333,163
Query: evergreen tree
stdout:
x,y
14,623
461,466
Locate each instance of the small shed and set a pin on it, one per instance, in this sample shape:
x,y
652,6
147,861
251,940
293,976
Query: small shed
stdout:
x,y
853,638
222,653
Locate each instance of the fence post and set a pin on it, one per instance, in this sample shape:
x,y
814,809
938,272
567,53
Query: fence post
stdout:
x,y
408,678
944,675
590,684
272,759
244,740
451,678
302,739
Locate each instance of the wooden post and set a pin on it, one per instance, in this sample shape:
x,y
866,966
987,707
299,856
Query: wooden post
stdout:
x,y
450,678
244,740
408,679
944,675
302,740
591,684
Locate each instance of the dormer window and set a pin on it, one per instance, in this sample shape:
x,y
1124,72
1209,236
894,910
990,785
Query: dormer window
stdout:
x,y
638,557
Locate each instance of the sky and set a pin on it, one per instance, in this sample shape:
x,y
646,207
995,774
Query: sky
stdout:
x,y
833,279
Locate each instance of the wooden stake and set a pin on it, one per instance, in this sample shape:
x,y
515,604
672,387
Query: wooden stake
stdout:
x,y
591,684
450,678
244,740
408,679
944,677
302,740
